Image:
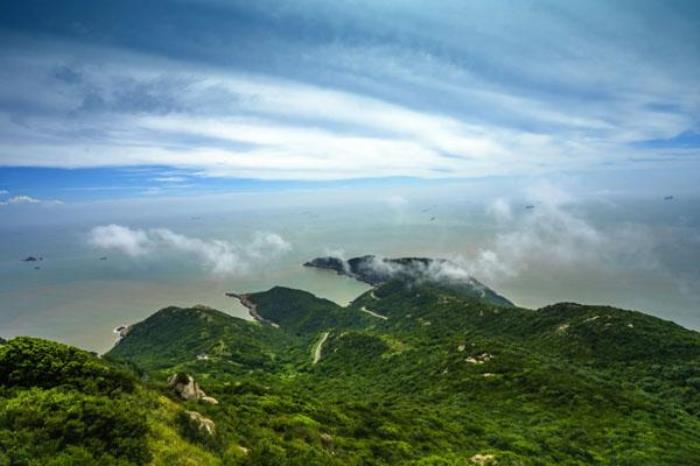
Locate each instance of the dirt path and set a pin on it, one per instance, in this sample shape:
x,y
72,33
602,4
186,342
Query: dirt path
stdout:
x,y
372,313
319,346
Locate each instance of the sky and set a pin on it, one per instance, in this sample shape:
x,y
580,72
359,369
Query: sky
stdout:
x,y
143,98
158,153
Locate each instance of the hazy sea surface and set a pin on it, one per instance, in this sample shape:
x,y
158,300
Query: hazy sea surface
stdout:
x,y
634,254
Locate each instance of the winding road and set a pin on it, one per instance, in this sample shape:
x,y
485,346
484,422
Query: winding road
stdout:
x,y
319,346
372,313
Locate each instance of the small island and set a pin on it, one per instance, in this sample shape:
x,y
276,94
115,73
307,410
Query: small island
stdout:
x,y
375,271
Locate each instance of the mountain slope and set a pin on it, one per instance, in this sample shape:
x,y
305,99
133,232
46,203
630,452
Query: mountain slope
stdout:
x,y
447,376
60,405
175,335
431,375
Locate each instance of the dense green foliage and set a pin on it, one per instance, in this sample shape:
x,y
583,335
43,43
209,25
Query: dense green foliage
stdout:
x,y
60,405
301,312
63,406
174,335
446,376
30,362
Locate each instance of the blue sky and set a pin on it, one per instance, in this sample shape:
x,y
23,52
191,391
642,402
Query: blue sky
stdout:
x,y
145,98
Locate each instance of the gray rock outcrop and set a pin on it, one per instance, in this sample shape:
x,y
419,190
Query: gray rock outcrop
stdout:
x,y
188,389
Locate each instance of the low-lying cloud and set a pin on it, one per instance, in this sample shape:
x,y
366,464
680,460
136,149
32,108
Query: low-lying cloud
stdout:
x,y
133,243
219,257
549,234
437,270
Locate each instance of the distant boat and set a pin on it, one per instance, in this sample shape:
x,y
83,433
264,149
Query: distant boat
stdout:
x,y
432,219
669,198
103,258
30,259
529,206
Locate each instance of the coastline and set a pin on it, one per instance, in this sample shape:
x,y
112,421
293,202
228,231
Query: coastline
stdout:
x,y
244,299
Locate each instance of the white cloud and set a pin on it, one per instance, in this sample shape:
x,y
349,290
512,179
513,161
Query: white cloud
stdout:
x,y
219,257
123,239
554,237
435,270
170,179
24,199
267,244
222,123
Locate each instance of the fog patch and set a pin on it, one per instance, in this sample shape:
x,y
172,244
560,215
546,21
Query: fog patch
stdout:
x,y
219,257
341,255
133,243
500,210
550,234
395,201
419,269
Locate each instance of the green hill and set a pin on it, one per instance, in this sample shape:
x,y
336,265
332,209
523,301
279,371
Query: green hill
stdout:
x,y
63,406
411,372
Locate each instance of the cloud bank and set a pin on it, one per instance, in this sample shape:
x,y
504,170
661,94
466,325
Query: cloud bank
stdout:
x,y
313,91
552,236
219,257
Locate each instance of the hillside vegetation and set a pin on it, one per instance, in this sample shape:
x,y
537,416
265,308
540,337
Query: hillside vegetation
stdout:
x,y
431,376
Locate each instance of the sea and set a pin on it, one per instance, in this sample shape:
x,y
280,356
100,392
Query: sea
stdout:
x,y
640,254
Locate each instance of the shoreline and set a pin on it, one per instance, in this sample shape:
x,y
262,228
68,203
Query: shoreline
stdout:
x,y
244,299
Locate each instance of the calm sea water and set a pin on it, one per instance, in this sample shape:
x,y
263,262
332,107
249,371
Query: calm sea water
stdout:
x,y
79,299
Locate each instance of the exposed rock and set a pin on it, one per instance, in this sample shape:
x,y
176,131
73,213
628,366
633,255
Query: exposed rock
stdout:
x,y
327,441
563,328
479,358
482,459
122,331
243,450
188,389
204,423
